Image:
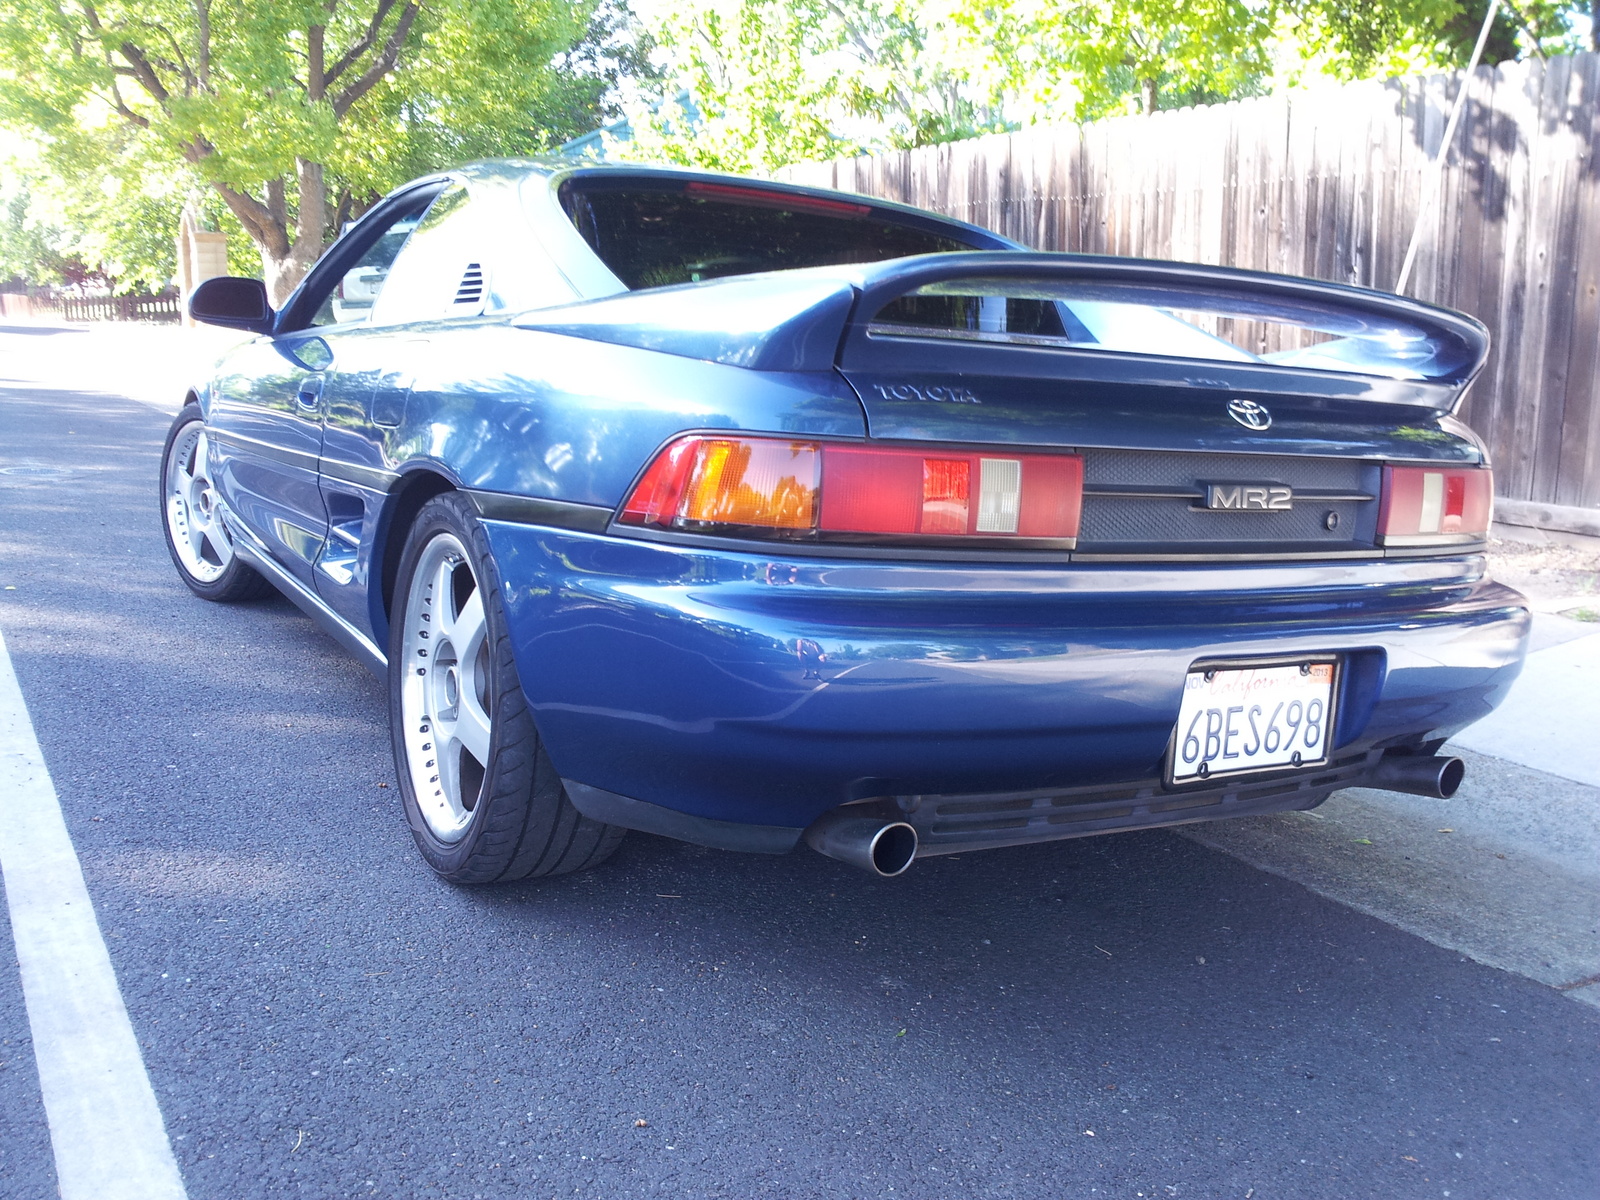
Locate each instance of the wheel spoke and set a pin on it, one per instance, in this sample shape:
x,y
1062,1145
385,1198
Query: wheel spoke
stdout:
x,y
197,537
472,727
180,476
202,462
444,620
446,765
468,632
221,548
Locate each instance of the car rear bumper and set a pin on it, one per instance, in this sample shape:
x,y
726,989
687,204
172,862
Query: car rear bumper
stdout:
x,y
763,690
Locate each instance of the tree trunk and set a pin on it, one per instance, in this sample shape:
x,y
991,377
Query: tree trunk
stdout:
x,y
1149,91
285,259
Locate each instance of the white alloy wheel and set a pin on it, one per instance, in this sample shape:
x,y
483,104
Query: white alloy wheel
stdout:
x,y
445,688
194,519
482,798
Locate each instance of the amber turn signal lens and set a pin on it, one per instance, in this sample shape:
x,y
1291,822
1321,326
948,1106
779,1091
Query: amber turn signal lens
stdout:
x,y
759,482
747,482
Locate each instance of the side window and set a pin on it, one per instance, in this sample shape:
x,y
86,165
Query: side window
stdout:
x,y
443,270
352,298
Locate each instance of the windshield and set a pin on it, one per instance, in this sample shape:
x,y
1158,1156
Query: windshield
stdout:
x,y
654,234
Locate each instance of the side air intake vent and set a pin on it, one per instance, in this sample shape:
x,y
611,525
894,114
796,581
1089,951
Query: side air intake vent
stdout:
x,y
471,289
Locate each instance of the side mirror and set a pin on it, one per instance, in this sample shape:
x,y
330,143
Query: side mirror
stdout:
x,y
233,303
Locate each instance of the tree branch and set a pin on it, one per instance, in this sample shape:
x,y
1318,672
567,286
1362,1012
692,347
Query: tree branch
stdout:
x,y
257,222
316,82
385,63
144,72
256,218
181,66
363,44
202,14
122,109
277,204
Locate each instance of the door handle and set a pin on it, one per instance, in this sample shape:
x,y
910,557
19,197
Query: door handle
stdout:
x,y
309,398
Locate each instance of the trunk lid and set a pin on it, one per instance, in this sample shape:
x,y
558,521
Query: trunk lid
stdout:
x,y
1218,412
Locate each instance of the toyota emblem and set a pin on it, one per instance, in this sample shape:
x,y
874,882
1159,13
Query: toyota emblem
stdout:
x,y
1249,414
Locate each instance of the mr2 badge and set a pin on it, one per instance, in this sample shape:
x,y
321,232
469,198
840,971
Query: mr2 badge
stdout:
x,y
1249,497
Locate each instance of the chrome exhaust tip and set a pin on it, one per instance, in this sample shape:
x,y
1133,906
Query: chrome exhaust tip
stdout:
x,y
1437,776
874,844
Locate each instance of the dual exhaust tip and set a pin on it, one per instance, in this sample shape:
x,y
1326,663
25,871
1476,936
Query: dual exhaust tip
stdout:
x,y
887,847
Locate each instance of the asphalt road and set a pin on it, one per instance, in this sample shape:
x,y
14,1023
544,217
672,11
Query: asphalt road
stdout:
x,y
1131,1016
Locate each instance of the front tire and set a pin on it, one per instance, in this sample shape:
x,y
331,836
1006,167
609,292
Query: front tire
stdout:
x,y
191,517
483,801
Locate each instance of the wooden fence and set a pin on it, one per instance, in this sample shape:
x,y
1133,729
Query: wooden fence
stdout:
x,y
1327,183
97,308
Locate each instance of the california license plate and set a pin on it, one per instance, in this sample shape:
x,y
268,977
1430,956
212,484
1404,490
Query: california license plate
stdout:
x,y
1236,719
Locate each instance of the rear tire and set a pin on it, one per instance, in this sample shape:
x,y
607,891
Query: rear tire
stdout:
x,y
483,801
199,541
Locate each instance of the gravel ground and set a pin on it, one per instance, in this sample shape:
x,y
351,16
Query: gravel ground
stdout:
x,y
1551,571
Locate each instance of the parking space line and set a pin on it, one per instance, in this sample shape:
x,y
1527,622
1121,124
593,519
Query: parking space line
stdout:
x,y
105,1126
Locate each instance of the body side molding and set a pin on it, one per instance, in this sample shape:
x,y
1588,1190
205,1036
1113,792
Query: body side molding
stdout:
x,y
530,510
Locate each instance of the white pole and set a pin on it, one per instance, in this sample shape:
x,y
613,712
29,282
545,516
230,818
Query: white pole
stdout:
x,y
1431,184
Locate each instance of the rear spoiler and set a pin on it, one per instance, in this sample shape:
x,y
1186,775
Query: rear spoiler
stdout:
x,y
777,321
1364,345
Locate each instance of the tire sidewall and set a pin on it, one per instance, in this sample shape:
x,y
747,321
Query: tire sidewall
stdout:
x,y
451,513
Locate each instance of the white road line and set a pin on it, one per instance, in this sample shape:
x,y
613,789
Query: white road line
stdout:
x,y
105,1126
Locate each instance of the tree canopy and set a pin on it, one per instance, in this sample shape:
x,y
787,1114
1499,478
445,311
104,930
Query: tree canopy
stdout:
x,y
277,120
296,114
776,81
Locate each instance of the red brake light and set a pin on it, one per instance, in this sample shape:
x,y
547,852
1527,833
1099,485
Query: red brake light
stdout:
x,y
772,198
655,497
1429,506
946,495
836,491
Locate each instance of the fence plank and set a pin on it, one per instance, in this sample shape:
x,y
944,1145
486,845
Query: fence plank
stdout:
x,y
1579,479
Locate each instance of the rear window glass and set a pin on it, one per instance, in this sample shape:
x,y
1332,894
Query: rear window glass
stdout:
x,y
655,236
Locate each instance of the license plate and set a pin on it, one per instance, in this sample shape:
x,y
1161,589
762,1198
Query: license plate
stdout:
x,y
1236,719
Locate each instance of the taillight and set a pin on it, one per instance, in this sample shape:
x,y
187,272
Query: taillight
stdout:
x,y
840,492
758,483
1432,506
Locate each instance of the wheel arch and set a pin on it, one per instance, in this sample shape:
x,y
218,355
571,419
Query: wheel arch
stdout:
x,y
414,489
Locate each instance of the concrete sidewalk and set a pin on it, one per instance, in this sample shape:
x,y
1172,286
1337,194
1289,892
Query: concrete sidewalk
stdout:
x,y
1508,871
1551,721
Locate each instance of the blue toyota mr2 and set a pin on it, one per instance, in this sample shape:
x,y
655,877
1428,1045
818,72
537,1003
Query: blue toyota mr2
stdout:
x,y
746,513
